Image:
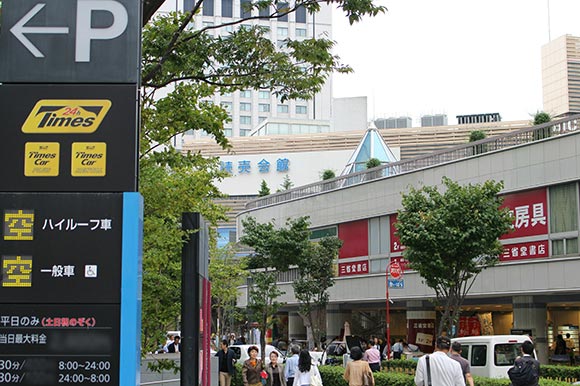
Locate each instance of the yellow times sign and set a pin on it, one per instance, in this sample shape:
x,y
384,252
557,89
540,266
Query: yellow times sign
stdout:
x,y
59,116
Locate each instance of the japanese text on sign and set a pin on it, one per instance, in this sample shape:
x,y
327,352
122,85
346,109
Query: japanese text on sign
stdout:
x,y
520,251
529,211
18,224
353,268
263,166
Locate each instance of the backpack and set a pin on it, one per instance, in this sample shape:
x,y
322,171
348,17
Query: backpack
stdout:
x,y
525,372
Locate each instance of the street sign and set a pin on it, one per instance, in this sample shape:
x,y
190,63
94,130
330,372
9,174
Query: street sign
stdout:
x,y
396,284
395,270
70,41
75,138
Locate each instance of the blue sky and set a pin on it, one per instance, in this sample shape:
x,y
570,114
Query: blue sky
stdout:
x,y
451,56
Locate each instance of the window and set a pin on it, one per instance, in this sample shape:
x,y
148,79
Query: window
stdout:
x,y
245,132
378,235
245,8
300,109
229,28
301,32
505,354
478,355
282,109
564,219
245,120
281,44
262,119
244,106
301,15
264,12
207,8
227,8
264,94
282,32
228,132
245,94
207,24
323,232
264,107
227,106
282,8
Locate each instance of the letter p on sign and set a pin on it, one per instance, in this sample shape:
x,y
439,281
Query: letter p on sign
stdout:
x,y
86,33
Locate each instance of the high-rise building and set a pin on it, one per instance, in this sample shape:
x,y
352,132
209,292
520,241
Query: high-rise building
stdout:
x,y
249,108
561,76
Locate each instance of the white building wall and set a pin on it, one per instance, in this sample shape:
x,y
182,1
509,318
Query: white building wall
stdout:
x,y
349,114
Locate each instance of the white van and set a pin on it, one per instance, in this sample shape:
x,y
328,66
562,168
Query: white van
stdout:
x,y
491,355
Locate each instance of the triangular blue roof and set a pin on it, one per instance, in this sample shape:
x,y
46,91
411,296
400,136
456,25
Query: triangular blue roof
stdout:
x,y
371,145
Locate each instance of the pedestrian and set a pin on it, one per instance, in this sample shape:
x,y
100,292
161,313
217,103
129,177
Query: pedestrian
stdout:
x,y
275,371
570,347
560,345
373,357
358,372
438,369
252,368
175,347
526,369
226,358
291,365
398,349
307,373
464,363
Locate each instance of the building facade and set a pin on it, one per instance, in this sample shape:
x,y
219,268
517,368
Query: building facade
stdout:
x,y
561,76
534,288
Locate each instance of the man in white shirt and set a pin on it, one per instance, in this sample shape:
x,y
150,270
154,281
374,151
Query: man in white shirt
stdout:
x,y
444,371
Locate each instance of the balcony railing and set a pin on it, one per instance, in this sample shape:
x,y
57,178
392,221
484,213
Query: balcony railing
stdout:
x,y
471,149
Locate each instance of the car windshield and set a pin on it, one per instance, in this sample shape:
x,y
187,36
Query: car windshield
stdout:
x,y
505,354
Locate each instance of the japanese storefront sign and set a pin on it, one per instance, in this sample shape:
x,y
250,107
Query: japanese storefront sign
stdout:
x,y
68,138
530,213
529,250
396,246
353,268
241,167
421,333
469,326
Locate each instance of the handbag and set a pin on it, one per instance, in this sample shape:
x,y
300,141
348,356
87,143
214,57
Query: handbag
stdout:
x,y
428,370
315,379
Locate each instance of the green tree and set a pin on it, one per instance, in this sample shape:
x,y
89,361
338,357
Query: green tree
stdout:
x,y
264,189
316,270
451,237
328,174
372,163
286,184
540,118
262,302
226,274
477,135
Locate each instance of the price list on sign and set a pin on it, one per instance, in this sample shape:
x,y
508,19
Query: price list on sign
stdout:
x,y
59,344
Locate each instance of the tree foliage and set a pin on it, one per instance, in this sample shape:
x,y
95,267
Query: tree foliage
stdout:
x,y
226,274
264,189
476,135
316,270
328,174
372,163
451,237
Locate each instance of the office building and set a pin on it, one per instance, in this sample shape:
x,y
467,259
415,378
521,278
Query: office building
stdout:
x,y
561,76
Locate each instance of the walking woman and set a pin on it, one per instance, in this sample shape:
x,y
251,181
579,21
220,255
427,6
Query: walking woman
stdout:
x,y
358,372
275,371
307,374
252,368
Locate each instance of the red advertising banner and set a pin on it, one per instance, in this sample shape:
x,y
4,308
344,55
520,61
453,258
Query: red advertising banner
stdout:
x,y
355,239
421,332
395,242
521,251
354,268
404,263
469,326
530,213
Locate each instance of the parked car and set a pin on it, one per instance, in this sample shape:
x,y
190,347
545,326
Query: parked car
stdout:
x,y
491,356
241,352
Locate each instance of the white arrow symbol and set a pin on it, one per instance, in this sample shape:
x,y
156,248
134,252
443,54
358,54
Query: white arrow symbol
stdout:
x,y
19,30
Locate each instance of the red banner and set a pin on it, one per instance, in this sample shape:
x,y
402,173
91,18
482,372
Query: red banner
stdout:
x,y
521,251
530,213
469,326
395,242
354,268
404,263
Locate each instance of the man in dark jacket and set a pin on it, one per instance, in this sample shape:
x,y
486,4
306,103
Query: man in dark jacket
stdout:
x,y
175,346
226,357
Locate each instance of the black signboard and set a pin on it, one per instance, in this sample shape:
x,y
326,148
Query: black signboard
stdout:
x,y
60,288
60,247
68,138
70,41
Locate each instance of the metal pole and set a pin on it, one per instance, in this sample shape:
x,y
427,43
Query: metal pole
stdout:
x,y
388,312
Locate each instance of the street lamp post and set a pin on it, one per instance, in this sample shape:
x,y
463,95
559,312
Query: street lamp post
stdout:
x,y
388,316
